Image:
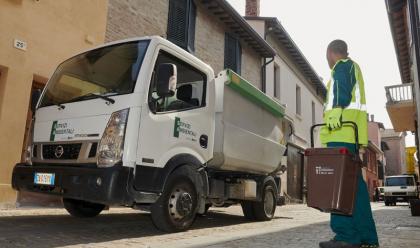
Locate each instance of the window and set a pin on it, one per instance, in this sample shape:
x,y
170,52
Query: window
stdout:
x,y
399,181
191,87
276,81
181,23
298,101
313,114
233,53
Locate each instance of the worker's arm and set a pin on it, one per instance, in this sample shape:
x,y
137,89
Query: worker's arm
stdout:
x,y
343,84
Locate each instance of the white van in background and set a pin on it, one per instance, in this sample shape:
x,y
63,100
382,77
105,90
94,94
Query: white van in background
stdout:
x,y
400,188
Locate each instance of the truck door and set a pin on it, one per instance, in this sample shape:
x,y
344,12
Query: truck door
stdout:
x,y
180,124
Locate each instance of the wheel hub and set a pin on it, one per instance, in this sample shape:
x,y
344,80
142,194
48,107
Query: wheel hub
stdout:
x,y
180,204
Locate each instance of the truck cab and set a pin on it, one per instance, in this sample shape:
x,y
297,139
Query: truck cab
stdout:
x,y
400,188
143,123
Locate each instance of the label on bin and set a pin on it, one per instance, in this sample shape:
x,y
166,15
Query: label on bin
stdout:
x,y
323,170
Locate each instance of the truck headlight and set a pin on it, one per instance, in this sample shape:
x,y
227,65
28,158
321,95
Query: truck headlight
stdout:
x,y
111,146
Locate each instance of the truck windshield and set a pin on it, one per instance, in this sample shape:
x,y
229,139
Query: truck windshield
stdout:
x,y
399,181
104,71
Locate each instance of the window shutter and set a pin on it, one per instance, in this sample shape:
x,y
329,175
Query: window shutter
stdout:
x,y
191,26
233,53
177,22
238,56
181,23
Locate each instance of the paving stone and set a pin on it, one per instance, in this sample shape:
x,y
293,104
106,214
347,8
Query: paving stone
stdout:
x,y
294,226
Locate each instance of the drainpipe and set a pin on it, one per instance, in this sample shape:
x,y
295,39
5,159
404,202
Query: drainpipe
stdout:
x,y
264,66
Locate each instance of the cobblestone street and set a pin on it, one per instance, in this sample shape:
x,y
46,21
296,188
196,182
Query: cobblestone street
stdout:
x,y
294,226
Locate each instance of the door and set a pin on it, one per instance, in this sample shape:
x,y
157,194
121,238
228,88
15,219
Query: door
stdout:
x,y
180,124
295,172
29,115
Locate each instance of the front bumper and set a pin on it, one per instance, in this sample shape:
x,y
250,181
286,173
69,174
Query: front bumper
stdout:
x,y
400,198
78,182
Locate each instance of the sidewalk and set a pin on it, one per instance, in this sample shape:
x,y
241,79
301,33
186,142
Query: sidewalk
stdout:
x,y
294,226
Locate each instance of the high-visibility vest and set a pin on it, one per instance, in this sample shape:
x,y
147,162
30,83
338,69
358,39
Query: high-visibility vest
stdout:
x,y
355,111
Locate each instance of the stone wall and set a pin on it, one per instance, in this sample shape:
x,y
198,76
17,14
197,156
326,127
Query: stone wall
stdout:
x,y
133,18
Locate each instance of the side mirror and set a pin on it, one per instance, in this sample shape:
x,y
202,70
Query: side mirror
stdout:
x,y
166,80
36,94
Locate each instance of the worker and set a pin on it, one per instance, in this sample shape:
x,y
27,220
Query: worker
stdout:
x,y
346,102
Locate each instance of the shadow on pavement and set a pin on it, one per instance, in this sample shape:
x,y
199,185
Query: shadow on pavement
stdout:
x,y
395,225
61,230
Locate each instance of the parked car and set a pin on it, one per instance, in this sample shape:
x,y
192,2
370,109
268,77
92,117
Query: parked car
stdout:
x,y
379,194
401,188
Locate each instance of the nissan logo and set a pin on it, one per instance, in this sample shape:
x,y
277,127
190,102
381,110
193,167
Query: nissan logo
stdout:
x,y
59,150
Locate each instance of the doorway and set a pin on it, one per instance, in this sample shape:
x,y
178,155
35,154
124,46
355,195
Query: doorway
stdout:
x,y
36,85
295,173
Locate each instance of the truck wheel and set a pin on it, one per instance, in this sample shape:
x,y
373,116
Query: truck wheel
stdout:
x,y
386,203
248,209
176,208
82,209
265,209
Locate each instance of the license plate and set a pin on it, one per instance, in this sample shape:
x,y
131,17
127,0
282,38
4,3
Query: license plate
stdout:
x,y
44,178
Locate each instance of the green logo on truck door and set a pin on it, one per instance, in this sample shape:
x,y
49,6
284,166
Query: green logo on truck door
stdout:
x,y
53,128
183,128
176,127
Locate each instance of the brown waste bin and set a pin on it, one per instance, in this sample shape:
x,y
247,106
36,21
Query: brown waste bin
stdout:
x,y
332,176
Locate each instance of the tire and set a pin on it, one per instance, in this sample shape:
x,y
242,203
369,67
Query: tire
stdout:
x,y
82,209
386,203
248,210
176,208
265,209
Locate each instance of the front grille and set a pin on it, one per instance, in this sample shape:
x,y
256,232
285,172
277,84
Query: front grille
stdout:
x,y
93,148
35,151
61,151
399,193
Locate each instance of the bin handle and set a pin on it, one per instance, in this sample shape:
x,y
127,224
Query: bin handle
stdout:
x,y
352,123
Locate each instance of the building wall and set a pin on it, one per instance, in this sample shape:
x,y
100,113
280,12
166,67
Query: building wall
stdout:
x,y
371,171
128,18
374,133
132,18
290,77
53,30
395,156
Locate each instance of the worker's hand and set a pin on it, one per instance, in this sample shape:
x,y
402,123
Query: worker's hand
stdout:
x,y
334,118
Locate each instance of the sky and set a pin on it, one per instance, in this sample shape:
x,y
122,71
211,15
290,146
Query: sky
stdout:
x,y
362,24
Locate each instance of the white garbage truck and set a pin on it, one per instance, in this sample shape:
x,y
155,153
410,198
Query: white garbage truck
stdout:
x,y
144,124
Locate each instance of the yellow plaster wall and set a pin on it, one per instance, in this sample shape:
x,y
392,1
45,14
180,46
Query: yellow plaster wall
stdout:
x,y
53,30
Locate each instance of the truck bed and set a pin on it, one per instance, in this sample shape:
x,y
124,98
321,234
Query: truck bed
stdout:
x,y
249,134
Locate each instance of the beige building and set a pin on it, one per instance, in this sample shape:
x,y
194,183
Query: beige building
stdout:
x,y
395,156
36,36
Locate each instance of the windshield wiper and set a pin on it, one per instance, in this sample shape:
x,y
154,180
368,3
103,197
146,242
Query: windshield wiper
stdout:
x,y
91,96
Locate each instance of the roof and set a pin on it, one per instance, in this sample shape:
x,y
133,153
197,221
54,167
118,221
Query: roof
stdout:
x,y
293,50
390,133
400,34
238,25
